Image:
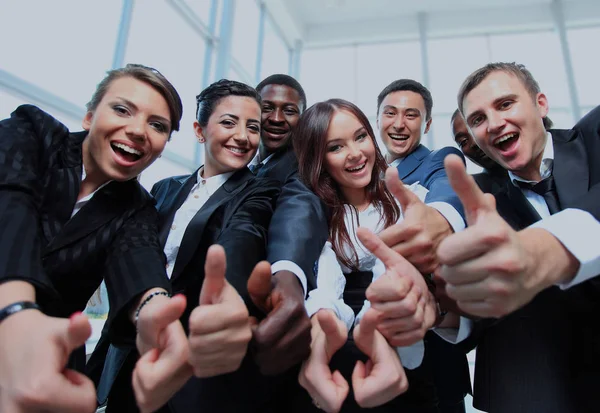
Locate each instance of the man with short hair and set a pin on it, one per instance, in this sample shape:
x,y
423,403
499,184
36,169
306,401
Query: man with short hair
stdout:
x,y
467,145
538,278
403,117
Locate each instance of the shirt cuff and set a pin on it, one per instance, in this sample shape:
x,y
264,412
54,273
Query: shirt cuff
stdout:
x,y
455,220
285,265
578,231
411,357
456,335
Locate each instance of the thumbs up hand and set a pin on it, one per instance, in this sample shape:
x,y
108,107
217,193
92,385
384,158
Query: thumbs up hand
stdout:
x,y
282,339
401,295
418,235
219,326
382,378
161,341
490,269
327,389
34,350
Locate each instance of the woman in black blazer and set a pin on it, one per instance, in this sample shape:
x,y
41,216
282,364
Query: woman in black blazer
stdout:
x,y
220,203
72,213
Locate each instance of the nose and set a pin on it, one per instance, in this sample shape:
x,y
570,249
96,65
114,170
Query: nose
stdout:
x,y
276,116
241,138
353,151
399,122
495,122
136,128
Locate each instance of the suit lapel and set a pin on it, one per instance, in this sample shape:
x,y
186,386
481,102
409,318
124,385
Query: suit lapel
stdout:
x,y
170,201
106,204
412,161
195,230
571,169
525,212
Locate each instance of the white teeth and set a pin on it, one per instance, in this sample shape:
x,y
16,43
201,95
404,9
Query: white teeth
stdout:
x,y
358,168
237,150
398,136
128,149
505,138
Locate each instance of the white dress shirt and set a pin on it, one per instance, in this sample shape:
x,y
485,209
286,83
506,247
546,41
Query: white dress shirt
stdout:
x,y
455,220
575,228
331,281
199,194
80,203
281,265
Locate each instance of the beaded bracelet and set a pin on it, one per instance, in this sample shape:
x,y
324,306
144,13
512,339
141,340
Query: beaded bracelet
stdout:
x,y
16,307
147,300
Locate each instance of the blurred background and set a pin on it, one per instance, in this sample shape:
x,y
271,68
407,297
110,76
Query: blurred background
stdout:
x,y
53,53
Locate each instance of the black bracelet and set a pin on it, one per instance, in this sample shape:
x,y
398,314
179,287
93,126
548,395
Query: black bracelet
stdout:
x,y
147,300
16,307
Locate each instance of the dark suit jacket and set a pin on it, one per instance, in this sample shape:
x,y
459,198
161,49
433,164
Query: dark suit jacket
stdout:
x,y
545,357
448,362
299,227
237,217
113,237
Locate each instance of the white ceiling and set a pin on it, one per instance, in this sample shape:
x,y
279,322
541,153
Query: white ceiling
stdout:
x,y
328,22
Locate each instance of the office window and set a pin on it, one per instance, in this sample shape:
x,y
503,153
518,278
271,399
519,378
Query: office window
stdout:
x,y
276,55
244,44
178,53
450,62
583,45
380,64
328,73
62,46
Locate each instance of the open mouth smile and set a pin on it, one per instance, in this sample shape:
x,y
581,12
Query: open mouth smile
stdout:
x,y
398,137
506,141
126,152
357,168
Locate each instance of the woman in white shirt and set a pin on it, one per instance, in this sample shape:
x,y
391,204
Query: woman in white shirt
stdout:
x,y
340,161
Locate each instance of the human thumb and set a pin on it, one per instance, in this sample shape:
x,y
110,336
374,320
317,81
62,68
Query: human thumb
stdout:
x,y
401,192
214,275
260,285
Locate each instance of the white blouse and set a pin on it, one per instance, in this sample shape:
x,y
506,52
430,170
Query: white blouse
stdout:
x,y
331,281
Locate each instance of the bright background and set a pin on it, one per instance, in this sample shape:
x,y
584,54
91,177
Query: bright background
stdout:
x,y
55,52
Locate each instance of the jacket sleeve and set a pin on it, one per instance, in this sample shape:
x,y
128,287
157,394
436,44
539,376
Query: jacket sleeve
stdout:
x,y
135,264
244,237
24,139
437,181
299,229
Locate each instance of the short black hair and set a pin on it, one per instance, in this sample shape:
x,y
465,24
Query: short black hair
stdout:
x,y
207,100
455,114
286,80
412,86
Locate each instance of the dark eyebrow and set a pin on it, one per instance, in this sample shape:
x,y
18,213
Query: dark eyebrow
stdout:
x,y
460,135
359,131
230,115
134,106
412,110
386,107
253,121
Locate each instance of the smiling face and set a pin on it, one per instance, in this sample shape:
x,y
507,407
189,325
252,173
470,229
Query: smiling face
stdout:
x,y
281,108
127,131
231,135
507,124
350,155
402,122
467,144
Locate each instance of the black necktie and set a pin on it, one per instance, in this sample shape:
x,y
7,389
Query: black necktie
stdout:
x,y
255,168
547,189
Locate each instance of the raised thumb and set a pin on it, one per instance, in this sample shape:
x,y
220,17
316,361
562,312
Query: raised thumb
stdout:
x,y
364,333
260,285
334,337
77,332
400,191
214,275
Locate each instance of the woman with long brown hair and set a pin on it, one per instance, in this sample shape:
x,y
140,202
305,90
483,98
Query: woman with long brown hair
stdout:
x,y
340,161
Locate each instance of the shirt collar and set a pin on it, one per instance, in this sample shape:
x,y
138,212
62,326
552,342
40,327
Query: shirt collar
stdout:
x,y
395,162
256,160
214,182
545,166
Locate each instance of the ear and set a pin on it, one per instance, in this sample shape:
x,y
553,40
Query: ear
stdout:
x,y
198,130
427,125
542,103
86,123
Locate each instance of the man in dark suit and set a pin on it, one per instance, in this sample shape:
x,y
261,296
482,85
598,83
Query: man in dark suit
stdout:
x,y
297,232
538,279
403,116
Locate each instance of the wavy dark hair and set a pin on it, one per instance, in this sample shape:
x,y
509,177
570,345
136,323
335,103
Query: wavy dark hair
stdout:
x,y
310,144
209,98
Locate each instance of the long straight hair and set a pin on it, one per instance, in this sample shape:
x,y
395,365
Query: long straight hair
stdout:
x,y
310,144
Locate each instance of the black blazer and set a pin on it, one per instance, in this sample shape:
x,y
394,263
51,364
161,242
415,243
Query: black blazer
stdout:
x,y
545,357
299,226
237,217
113,237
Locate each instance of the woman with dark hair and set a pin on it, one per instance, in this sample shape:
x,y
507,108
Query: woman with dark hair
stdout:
x,y
340,161
220,203
73,214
